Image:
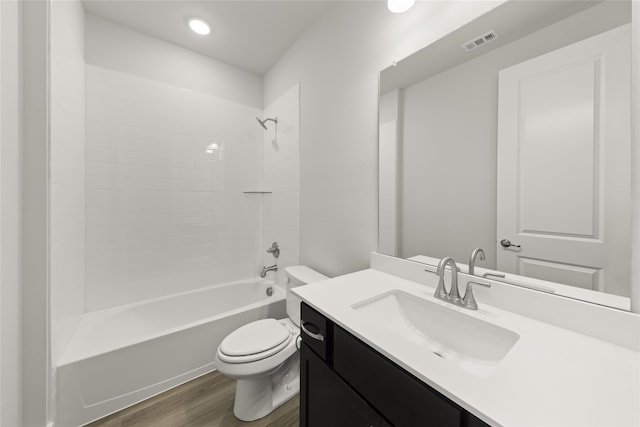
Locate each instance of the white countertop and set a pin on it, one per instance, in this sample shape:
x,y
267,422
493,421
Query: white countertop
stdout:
x,y
551,377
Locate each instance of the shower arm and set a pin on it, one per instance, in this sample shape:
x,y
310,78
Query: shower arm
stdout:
x,y
262,122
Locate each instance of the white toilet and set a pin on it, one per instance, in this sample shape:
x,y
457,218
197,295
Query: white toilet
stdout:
x,y
263,356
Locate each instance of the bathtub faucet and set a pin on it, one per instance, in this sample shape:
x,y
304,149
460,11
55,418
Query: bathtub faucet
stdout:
x,y
264,271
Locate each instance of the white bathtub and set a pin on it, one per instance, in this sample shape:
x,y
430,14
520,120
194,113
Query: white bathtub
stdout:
x,y
123,355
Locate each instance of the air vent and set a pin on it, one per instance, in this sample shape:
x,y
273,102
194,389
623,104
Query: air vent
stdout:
x,y
480,41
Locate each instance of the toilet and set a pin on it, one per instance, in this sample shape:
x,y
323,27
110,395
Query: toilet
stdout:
x,y
262,355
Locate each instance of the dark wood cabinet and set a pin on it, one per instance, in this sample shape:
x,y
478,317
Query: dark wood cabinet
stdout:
x,y
328,400
344,382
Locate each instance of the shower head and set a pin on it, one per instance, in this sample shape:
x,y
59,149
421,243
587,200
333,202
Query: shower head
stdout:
x,y
262,122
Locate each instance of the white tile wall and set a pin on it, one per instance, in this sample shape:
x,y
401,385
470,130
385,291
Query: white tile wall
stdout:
x,y
163,214
67,150
281,221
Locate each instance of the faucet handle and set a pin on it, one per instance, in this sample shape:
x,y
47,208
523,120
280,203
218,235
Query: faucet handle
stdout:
x,y
274,250
490,274
431,269
469,300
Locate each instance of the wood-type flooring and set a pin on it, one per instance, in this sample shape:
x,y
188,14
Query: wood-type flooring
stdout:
x,y
203,402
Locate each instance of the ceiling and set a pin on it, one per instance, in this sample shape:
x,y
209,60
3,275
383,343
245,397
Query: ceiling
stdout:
x,y
251,35
511,21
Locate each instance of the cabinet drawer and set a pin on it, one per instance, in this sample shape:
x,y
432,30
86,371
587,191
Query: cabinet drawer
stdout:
x,y
400,397
316,331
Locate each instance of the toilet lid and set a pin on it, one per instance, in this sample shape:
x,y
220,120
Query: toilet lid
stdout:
x,y
255,337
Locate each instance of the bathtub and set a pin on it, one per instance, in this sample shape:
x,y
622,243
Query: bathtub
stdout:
x,y
123,355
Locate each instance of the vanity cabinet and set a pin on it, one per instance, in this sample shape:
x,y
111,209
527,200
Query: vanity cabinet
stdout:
x,y
328,400
344,382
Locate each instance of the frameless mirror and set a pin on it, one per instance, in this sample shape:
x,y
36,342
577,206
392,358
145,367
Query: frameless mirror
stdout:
x,y
512,134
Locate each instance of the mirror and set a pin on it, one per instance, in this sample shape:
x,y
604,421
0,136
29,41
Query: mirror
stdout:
x,y
513,128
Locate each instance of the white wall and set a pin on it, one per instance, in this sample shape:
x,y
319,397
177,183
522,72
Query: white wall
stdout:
x,y
449,164
635,158
163,214
337,62
449,143
35,213
67,179
67,165
388,138
281,214
1,269
10,222
113,46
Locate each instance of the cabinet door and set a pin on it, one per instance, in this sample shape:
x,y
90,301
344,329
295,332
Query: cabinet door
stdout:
x,y
329,401
402,399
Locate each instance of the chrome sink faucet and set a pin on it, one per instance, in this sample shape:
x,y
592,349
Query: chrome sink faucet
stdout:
x,y
453,296
441,292
472,259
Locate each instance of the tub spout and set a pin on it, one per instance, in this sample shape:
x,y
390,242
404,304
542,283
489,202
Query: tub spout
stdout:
x,y
264,271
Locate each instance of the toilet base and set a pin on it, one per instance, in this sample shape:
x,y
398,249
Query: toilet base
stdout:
x,y
258,397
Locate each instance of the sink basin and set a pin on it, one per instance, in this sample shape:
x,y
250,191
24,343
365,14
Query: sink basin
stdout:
x,y
470,343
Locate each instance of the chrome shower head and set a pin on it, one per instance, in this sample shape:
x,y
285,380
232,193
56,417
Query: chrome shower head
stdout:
x,y
262,122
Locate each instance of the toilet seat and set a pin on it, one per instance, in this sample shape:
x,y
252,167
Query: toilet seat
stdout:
x,y
254,341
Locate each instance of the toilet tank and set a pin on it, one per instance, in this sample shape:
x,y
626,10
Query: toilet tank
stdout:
x,y
297,276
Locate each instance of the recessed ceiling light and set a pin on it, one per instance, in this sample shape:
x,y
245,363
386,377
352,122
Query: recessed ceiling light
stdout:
x,y
211,148
399,6
199,26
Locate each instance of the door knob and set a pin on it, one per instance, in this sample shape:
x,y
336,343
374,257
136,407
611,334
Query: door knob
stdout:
x,y
506,244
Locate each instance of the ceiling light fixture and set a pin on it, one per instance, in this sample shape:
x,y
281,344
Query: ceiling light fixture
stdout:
x,y
199,26
399,6
211,148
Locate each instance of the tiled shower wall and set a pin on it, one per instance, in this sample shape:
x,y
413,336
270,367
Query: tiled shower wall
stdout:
x,y
166,171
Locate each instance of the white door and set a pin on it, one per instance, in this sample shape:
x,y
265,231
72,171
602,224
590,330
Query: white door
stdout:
x,y
564,166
